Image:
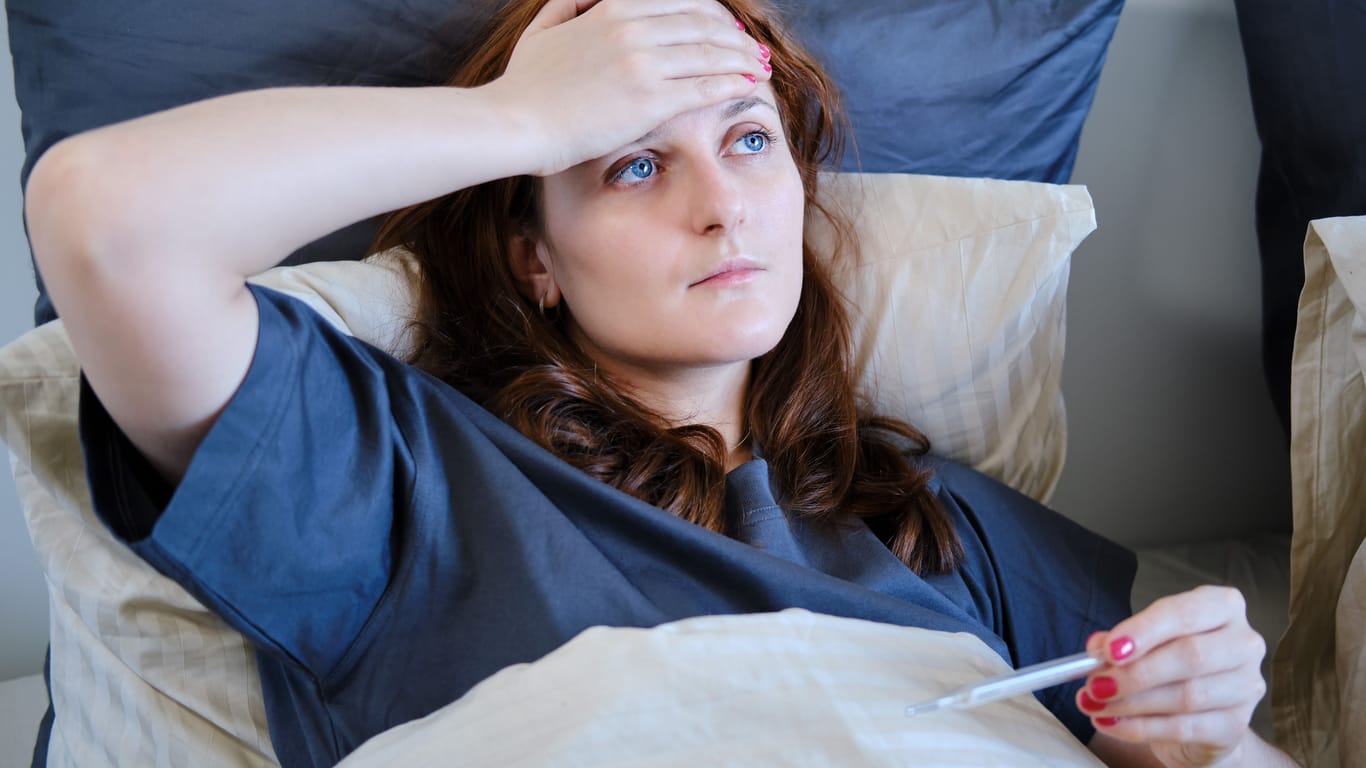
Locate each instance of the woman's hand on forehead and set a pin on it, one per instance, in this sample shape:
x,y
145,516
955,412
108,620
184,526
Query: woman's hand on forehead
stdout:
x,y
589,76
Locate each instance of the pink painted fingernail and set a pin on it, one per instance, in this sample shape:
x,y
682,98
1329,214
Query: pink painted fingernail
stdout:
x,y
768,67
1121,648
751,78
740,25
1089,704
1106,722
1104,687
764,52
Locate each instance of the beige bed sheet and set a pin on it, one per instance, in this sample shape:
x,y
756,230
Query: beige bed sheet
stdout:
x,y
793,688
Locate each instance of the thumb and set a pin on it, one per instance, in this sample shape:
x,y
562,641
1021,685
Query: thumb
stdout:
x,y
556,12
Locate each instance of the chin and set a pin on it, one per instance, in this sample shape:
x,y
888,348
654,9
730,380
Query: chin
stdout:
x,y
734,344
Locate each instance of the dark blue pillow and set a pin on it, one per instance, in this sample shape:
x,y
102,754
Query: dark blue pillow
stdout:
x,y
996,88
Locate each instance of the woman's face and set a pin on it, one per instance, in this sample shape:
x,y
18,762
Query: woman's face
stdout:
x,y
683,249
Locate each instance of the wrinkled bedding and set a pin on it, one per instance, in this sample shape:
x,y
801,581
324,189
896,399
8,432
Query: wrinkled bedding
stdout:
x,y
792,688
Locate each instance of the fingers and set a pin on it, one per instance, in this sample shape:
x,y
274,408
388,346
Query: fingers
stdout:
x,y
1183,674
694,59
556,12
1200,655
643,8
682,61
684,29
672,39
1215,729
619,69
1225,690
703,91
1201,610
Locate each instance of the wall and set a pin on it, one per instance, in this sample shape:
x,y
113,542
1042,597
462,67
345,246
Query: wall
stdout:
x,y
23,595
1172,434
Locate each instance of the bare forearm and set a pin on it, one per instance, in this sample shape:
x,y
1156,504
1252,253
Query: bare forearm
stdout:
x,y
145,230
237,183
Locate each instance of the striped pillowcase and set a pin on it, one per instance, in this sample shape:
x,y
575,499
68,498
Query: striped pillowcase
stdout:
x,y
142,674
959,306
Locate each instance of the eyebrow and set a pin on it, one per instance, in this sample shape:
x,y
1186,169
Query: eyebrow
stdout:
x,y
734,108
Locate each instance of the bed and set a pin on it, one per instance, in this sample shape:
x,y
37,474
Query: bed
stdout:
x,y
1000,204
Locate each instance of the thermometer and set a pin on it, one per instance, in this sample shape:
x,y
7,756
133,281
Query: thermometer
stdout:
x,y
1021,681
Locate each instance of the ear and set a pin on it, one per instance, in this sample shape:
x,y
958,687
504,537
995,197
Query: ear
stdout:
x,y
531,268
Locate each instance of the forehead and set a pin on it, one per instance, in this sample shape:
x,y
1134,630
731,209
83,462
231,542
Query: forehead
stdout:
x,y
763,101
763,98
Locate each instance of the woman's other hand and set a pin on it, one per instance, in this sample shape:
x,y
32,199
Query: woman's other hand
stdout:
x,y
1183,677
588,77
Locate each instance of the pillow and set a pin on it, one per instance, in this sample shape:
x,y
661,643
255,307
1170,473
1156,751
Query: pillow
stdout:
x,y
959,300
1327,455
958,303
991,89
1351,661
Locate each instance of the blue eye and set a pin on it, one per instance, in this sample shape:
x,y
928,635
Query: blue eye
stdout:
x,y
637,170
753,143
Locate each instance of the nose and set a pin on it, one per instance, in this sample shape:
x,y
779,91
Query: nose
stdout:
x,y
717,202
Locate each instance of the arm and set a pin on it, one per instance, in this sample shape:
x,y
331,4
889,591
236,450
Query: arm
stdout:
x,y
145,231
1182,679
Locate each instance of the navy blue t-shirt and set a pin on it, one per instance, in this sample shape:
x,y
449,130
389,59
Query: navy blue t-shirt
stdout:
x,y
386,544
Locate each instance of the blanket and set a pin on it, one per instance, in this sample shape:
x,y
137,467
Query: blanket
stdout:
x,y
792,688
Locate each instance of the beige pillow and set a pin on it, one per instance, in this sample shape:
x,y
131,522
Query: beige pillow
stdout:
x,y
959,306
959,302
1318,689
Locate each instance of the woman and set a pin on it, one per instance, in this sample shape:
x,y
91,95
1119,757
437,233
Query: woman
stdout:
x,y
608,341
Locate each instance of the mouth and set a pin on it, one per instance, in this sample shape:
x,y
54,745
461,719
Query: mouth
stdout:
x,y
731,272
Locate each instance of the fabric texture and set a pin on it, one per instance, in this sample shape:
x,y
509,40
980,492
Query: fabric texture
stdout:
x,y
142,673
446,534
106,600
791,688
985,89
1351,661
1314,683
959,304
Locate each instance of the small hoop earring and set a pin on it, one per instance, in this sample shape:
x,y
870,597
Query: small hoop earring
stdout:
x,y
541,304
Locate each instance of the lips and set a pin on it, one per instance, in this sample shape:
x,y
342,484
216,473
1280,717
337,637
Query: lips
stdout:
x,y
731,271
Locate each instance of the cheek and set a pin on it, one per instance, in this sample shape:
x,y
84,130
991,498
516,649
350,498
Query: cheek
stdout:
x,y
784,216
597,244
787,220
614,273
607,257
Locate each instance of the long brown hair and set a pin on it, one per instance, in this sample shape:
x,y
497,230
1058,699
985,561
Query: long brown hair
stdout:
x,y
834,460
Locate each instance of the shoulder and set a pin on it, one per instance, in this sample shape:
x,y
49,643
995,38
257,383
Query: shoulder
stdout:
x,y
1012,528
961,485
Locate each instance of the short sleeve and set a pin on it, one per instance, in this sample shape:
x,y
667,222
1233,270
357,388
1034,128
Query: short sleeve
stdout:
x,y
1040,581
284,521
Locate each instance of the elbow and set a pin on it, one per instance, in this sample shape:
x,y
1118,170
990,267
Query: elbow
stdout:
x,y
52,202
78,225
